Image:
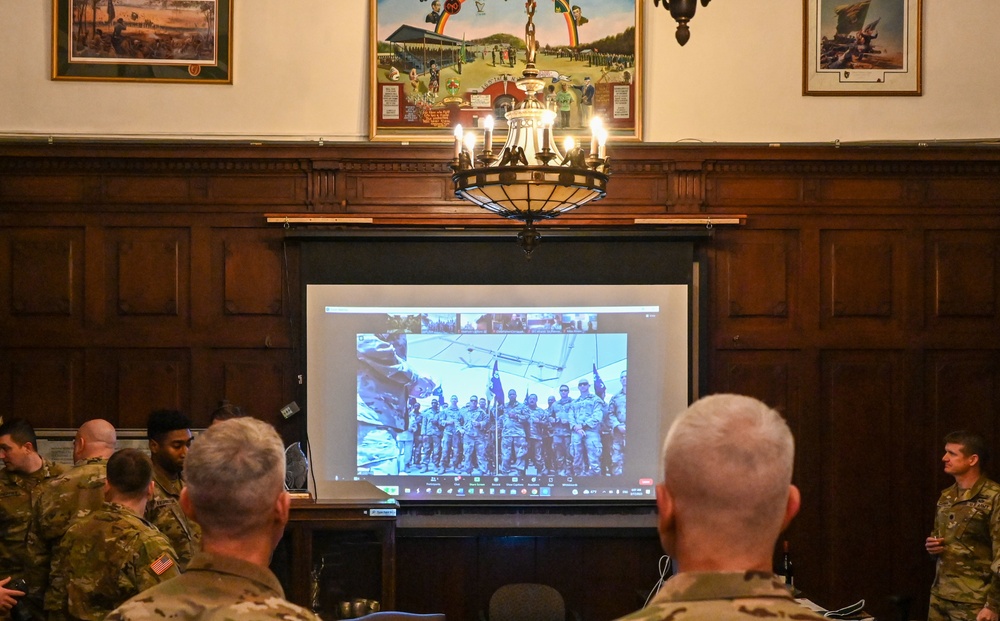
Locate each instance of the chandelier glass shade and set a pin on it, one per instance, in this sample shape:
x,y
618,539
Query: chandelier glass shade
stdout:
x,y
530,178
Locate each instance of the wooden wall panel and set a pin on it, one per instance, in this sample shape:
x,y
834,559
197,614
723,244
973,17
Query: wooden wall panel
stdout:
x,y
860,297
862,279
149,274
42,269
961,386
44,386
758,276
261,382
253,276
963,278
150,380
446,576
862,406
148,189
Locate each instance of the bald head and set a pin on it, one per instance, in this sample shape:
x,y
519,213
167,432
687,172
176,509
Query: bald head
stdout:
x,y
727,467
94,438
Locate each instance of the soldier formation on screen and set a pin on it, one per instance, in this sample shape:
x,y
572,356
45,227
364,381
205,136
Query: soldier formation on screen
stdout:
x,y
566,436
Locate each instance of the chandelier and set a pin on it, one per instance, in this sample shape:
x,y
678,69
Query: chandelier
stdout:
x,y
683,12
530,178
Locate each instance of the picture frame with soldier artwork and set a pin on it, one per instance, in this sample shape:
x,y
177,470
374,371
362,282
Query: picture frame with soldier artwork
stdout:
x,y
439,63
861,47
143,40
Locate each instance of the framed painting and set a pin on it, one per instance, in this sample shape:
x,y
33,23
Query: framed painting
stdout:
x,y
143,40
861,47
439,63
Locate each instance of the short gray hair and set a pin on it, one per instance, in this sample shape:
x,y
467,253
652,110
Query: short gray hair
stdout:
x,y
234,472
730,458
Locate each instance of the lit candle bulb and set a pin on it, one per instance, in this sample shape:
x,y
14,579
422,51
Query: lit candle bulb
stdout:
x,y
569,144
458,140
548,120
602,139
488,134
595,128
470,146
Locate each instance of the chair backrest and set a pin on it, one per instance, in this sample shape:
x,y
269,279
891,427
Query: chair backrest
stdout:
x,y
527,601
395,615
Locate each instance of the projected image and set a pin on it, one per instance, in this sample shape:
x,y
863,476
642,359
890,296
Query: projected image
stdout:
x,y
511,395
458,393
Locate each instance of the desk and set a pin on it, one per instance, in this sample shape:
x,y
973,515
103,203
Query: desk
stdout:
x,y
339,550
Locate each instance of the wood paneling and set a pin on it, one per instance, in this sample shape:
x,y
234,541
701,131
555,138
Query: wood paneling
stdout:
x,y
150,380
43,271
861,298
962,274
150,275
862,279
45,386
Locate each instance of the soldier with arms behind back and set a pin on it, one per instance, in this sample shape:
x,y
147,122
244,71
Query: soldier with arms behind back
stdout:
x,y
726,495
966,537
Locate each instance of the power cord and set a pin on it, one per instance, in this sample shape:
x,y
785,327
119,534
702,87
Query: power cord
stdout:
x,y
664,568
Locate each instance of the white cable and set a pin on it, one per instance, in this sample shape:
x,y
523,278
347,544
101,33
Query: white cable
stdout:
x,y
664,567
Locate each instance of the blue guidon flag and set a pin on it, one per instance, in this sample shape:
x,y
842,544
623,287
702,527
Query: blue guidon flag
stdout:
x,y
494,386
599,388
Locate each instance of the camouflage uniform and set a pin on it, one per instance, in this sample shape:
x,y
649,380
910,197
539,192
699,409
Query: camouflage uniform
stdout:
x,y
164,512
968,571
109,556
588,416
450,419
560,420
616,424
538,430
384,377
61,501
723,596
476,422
215,587
515,438
18,493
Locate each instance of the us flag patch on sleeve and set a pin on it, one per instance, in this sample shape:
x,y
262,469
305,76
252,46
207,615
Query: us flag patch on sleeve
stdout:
x,y
161,564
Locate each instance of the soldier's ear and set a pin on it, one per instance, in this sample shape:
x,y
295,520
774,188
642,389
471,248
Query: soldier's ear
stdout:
x,y
186,505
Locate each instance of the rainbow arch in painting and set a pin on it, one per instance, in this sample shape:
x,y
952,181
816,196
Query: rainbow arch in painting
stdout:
x,y
571,31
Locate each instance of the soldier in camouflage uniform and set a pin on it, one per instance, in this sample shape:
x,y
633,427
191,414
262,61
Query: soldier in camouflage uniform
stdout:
x,y
588,416
726,495
112,554
515,436
234,477
169,434
23,473
966,537
475,434
538,430
560,419
450,420
616,425
386,381
68,498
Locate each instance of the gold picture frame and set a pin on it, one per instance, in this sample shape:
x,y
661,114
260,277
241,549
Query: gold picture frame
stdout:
x,y
139,41
438,63
861,47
